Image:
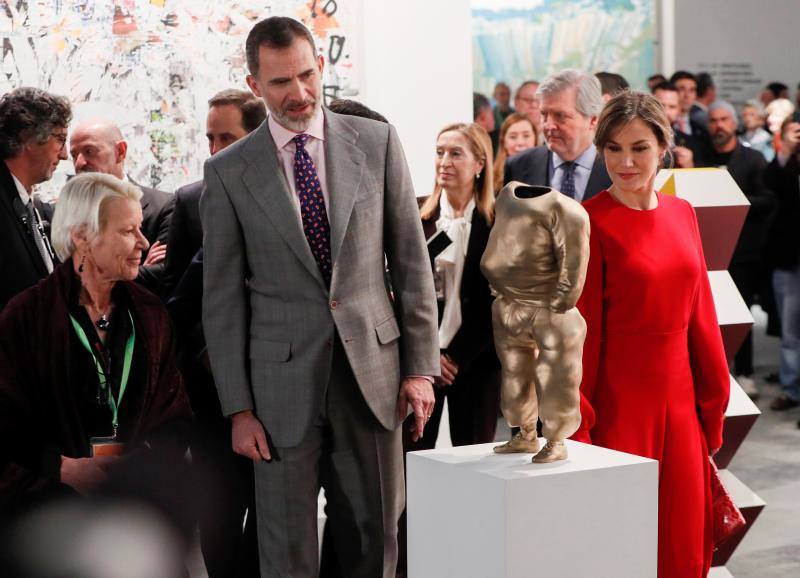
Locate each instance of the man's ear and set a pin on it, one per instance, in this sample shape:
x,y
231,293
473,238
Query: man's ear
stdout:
x,y
251,82
121,151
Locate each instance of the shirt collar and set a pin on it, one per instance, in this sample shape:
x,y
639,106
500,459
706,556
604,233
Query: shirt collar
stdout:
x,y
283,136
23,194
585,159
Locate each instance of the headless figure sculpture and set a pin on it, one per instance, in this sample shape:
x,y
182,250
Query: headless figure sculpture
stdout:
x,y
536,261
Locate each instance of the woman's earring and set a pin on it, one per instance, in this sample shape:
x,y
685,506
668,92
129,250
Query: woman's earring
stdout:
x,y
83,260
478,175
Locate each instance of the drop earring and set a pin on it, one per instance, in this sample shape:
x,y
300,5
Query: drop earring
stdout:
x,y
83,260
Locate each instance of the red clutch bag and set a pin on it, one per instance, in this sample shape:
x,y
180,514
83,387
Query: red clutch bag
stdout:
x,y
727,518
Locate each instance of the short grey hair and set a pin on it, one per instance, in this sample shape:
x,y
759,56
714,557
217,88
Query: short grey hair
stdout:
x,y
82,203
724,105
588,95
756,104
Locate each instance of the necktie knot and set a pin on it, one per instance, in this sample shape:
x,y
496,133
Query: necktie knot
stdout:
x,y
300,141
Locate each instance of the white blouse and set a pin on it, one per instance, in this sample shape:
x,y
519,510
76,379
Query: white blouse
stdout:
x,y
449,266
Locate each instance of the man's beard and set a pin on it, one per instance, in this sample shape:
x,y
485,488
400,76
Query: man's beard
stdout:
x,y
295,124
721,138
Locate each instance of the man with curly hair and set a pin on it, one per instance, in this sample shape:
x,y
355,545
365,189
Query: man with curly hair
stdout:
x,y
33,134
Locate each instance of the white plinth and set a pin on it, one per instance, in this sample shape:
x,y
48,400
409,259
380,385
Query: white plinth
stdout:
x,y
475,514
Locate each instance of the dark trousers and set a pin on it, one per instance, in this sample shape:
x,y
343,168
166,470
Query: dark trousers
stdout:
x,y
472,405
747,277
229,545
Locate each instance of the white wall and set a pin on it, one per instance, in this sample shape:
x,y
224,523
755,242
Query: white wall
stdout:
x,y
417,72
744,44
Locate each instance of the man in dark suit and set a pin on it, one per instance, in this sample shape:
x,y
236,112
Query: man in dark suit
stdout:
x,y
227,550
33,130
570,102
97,145
232,114
689,150
747,167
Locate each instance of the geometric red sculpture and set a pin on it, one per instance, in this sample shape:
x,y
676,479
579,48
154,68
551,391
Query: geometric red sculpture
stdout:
x,y
721,208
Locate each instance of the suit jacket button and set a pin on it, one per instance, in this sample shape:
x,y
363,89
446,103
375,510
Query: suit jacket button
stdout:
x,y
329,342
333,304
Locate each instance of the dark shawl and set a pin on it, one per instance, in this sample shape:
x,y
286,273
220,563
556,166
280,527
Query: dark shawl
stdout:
x,y
39,417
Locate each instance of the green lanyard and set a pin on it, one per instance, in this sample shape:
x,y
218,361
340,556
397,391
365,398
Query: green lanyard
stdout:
x,y
113,404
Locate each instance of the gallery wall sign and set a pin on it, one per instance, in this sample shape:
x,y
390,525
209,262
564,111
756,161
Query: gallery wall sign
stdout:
x,y
153,64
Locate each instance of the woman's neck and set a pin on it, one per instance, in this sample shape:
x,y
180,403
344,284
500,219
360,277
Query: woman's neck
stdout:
x,y
96,290
459,199
641,200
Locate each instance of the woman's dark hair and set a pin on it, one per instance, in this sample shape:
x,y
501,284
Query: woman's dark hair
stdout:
x,y
274,32
30,114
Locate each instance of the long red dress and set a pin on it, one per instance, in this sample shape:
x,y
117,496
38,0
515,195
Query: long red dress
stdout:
x,y
655,376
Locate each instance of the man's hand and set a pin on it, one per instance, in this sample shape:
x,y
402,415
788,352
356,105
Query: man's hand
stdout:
x,y
85,474
418,393
249,437
156,254
684,158
449,371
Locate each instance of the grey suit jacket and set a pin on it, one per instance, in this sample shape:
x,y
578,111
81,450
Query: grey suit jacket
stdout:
x,y
270,321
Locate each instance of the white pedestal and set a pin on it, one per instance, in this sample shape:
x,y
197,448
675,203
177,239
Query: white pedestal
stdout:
x,y
475,514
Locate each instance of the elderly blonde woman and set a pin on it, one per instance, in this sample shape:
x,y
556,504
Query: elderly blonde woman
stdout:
x,y
86,360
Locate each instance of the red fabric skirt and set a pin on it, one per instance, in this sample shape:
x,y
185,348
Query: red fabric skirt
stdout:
x,y
645,405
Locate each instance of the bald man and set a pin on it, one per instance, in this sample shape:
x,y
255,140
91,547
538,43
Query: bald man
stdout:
x,y
97,145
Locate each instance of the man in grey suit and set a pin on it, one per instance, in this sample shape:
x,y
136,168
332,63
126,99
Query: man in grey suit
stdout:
x,y
570,102
313,359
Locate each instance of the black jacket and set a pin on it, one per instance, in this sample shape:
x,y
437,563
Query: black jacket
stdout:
x,y
532,167
185,235
157,207
21,266
747,167
783,241
473,343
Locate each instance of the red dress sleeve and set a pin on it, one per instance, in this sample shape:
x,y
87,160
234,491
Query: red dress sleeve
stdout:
x,y
707,355
590,306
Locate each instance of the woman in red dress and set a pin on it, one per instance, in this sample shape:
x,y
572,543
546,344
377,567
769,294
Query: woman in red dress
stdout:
x,y
655,376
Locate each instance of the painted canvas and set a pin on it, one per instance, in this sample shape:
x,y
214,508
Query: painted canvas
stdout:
x,y
152,65
518,40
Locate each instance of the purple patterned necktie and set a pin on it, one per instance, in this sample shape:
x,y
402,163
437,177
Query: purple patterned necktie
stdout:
x,y
312,208
568,181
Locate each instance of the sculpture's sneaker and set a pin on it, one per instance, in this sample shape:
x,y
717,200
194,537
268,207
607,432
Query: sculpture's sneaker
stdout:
x,y
518,445
551,452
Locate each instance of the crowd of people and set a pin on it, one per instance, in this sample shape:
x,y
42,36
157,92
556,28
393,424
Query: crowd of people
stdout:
x,y
707,132
283,316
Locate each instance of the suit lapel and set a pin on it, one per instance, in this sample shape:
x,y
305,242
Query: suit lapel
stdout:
x,y
343,163
266,183
8,194
540,171
598,179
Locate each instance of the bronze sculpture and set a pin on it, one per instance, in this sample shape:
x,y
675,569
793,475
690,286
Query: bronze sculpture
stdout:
x,y
536,261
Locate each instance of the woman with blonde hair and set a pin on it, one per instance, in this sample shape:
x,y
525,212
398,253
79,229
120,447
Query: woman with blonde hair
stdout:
x,y
516,135
460,211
